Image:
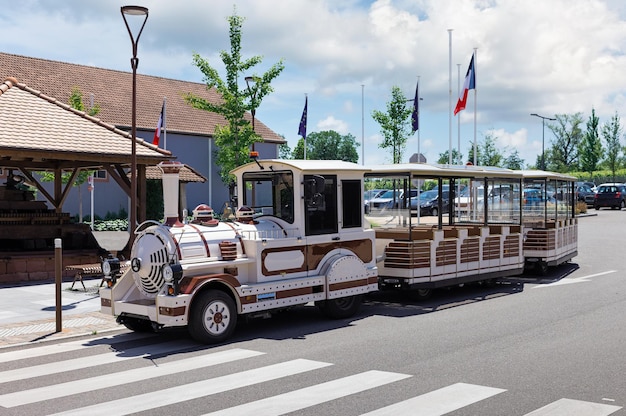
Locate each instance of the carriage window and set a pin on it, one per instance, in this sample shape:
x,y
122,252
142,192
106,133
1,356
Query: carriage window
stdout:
x,y
270,193
351,202
320,204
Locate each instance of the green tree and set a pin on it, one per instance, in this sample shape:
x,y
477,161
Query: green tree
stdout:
x,y
395,124
235,139
284,151
513,161
591,147
612,133
487,151
328,145
457,158
568,135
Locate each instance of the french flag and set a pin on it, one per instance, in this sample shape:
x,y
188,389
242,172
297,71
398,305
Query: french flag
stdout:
x,y
157,132
469,84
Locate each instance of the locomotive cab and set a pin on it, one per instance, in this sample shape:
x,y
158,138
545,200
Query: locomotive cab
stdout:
x,y
297,237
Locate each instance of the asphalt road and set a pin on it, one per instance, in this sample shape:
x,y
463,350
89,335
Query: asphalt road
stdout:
x,y
552,345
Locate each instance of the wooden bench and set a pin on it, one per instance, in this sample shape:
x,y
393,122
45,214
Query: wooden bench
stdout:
x,y
90,270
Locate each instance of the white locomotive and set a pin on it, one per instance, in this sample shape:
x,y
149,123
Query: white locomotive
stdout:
x,y
297,237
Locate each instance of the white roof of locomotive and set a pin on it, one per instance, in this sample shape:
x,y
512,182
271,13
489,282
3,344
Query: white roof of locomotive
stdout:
x,y
304,166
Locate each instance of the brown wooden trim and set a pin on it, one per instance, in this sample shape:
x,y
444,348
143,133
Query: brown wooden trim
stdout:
x,y
301,291
189,284
348,285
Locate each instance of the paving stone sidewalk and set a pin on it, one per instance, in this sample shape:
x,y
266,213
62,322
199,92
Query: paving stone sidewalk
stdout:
x,y
29,315
44,330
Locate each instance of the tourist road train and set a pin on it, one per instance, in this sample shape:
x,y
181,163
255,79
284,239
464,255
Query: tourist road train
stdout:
x,y
298,233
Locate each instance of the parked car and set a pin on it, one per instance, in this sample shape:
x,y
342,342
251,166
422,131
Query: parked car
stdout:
x,y
591,185
584,193
610,195
384,200
369,195
429,202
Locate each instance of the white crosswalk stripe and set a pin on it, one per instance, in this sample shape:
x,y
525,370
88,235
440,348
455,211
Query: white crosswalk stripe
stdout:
x,y
310,396
439,402
90,361
70,346
198,389
23,397
46,391
568,407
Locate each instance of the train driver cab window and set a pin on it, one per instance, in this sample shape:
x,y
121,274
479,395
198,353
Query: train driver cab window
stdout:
x,y
270,193
320,204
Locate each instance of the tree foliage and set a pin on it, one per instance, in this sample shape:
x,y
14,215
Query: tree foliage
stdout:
x,y
590,152
395,124
611,133
234,139
444,158
568,136
328,145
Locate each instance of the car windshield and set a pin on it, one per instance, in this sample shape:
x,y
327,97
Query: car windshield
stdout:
x,y
428,195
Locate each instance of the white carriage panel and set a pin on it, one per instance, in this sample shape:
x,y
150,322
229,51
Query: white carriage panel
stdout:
x,y
284,260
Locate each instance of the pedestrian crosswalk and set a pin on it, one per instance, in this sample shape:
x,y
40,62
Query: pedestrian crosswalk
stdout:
x,y
49,380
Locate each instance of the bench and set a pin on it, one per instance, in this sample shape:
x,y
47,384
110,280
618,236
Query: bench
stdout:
x,y
90,270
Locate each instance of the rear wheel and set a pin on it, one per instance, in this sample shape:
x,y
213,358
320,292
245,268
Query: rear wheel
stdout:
x,y
421,294
213,317
342,307
622,204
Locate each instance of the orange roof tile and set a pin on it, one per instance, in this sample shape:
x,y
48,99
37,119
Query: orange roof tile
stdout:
x,y
112,90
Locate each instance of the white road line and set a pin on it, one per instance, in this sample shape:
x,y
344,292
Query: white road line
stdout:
x,y
569,407
91,361
439,402
569,281
22,397
198,389
311,396
67,347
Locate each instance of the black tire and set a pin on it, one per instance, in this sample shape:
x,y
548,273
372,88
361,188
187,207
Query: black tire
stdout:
x,y
421,294
622,204
137,325
596,207
434,211
342,307
542,268
213,317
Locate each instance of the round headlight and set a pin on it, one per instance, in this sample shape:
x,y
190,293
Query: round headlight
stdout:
x,y
106,267
168,273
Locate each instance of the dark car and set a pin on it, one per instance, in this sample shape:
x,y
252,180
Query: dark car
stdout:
x,y
610,195
429,202
584,193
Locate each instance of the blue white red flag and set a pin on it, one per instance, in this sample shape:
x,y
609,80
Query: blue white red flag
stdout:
x,y
469,84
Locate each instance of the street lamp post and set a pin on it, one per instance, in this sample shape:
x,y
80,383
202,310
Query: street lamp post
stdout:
x,y
543,138
134,62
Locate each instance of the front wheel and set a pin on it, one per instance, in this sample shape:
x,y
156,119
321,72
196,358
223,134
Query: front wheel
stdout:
x,y
213,317
622,204
434,211
342,307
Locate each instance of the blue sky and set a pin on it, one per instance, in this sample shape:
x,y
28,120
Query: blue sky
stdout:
x,y
533,56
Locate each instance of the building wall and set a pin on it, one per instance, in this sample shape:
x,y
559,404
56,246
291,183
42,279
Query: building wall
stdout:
x,y
194,151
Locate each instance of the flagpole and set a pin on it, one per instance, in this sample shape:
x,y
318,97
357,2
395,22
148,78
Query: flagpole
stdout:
x,y
475,103
458,119
419,157
165,123
449,96
363,124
